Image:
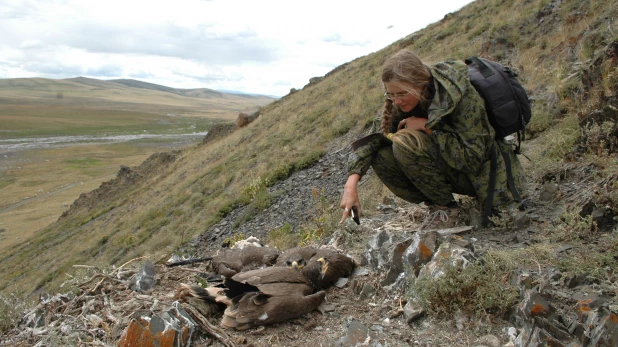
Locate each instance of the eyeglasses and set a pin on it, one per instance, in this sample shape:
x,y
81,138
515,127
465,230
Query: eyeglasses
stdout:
x,y
393,97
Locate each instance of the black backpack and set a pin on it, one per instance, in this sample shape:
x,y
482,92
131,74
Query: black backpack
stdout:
x,y
508,110
506,101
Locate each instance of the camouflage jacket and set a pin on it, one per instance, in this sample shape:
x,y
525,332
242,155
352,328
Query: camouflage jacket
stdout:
x,y
460,126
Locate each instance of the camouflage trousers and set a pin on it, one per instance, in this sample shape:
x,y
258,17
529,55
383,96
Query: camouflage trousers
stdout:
x,y
419,175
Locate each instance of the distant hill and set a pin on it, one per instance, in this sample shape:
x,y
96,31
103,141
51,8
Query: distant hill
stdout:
x,y
42,83
90,82
195,92
145,85
82,93
242,93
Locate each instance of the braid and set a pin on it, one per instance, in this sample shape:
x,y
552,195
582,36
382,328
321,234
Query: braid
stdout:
x,y
387,116
406,69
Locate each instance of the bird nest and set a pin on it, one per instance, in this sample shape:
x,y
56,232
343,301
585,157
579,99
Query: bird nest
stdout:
x,y
97,311
104,306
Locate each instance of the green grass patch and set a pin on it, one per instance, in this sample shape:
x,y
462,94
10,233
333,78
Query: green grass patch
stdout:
x,y
32,183
483,287
84,163
283,237
6,180
12,309
478,30
40,121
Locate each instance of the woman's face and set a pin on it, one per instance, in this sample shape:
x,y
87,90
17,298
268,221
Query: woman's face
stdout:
x,y
399,93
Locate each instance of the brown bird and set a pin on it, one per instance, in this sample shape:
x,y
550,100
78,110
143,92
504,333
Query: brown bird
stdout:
x,y
324,272
256,308
296,257
201,299
322,266
229,262
270,280
261,297
268,296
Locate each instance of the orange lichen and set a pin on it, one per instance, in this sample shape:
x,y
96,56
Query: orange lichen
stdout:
x,y
425,251
139,334
538,309
585,309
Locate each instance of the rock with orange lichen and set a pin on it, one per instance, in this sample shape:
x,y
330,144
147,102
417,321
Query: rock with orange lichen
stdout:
x,y
173,328
447,254
422,250
534,305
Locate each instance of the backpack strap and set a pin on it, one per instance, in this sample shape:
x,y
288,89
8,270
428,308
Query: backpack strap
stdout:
x,y
493,173
520,137
485,70
492,185
510,181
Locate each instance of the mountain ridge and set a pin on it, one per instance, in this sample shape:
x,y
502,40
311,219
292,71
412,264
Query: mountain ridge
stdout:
x,y
131,83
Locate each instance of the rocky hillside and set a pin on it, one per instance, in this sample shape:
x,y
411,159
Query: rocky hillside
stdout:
x,y
550,267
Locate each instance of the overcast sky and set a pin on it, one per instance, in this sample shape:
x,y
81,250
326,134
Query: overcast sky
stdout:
x,y
252,46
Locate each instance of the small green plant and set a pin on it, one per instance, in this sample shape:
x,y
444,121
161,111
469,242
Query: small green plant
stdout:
x,y
570,87
503,220
283,237
483,287
598,265
11,310
323,220
258,198
262,200
257,186
225,210
562,138
573,227
309,159
280,173
478,31
310,236
257,193
600,139
231,241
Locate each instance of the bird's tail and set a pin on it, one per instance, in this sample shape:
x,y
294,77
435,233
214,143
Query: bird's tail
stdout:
x,y
211,294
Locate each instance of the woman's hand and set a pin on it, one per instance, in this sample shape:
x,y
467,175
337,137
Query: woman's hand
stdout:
x,y
350,197
414,124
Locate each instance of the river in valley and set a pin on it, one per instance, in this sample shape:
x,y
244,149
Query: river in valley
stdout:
x,y
17,144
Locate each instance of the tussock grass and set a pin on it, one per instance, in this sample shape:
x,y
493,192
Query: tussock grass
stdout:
x,y
484,287
283,237
12,308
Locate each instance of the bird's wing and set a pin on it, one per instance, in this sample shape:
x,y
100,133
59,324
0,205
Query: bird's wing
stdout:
x,y
254,309
259,256
270,275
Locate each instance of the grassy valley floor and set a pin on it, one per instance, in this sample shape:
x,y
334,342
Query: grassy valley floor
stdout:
x,y
38,185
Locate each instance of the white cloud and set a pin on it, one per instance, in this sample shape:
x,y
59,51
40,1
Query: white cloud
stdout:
x,y
263,47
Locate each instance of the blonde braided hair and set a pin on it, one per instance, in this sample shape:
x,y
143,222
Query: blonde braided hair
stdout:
x,y
406,68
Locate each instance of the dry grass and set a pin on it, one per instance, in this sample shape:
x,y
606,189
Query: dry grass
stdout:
x,y
483,287
44,183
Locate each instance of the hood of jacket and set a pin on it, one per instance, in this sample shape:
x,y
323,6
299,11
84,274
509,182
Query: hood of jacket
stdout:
x,y
451,81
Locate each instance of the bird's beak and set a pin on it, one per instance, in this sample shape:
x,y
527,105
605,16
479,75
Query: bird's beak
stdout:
x,y
324,266
296,265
